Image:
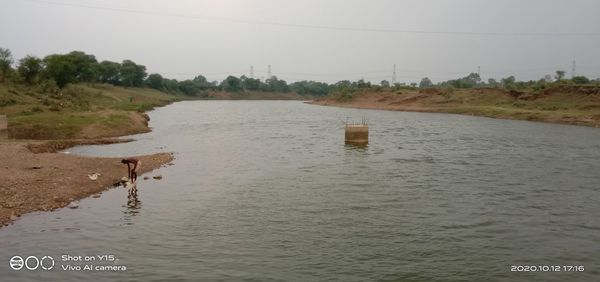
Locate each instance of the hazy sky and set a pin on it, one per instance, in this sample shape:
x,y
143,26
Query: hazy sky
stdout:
x,y
324,40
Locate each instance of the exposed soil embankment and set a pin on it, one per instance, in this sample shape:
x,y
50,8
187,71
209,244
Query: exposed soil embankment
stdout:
x,y
578,105
45,181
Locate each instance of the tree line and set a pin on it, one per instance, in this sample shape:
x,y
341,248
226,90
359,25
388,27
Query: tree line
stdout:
x,y
474,80
78,67
74,67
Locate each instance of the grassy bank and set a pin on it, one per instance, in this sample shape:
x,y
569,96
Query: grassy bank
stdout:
x,y
570,104
77,111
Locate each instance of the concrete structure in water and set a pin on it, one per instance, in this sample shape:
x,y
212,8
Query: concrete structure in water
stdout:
x,y
3,127
357,134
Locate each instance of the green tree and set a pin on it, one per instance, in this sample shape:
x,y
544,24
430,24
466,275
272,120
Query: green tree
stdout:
x,y
231,84
202,83
425,83
170,85
472,79
188,87
580,80
277,85
251,84
560,74
465,82
85,66
109,72
508,82
385,83
361,83
310,88
155,81
492,82
73,67
132,74
343,85
30,68
538,85
6,61
59,69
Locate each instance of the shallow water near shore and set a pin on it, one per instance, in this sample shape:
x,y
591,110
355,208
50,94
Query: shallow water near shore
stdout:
x,y
268,191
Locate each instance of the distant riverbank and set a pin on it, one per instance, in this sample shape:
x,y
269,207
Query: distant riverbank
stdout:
x,y
255,95
577,105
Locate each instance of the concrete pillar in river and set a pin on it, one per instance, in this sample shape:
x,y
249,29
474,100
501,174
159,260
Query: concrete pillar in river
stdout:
x,y
357,134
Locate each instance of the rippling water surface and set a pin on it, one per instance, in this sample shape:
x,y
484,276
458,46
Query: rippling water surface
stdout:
x,y
267,191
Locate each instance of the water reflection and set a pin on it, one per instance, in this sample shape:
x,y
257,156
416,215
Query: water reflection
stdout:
x,y
356,146
133,202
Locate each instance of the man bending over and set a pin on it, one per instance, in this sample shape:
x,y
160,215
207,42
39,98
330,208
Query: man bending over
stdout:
x,y
132,171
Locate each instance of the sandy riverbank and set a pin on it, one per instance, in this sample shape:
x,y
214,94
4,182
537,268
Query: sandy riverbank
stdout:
x,y
48,180
568,105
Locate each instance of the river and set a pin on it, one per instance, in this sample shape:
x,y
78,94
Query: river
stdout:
x,y
268,191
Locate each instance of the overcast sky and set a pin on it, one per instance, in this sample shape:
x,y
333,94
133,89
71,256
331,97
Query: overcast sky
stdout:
x,y
324,40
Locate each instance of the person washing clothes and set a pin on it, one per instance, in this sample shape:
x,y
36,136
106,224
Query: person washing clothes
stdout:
x,y
133,166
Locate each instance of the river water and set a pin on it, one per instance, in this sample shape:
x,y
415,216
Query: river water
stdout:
x,y
267,191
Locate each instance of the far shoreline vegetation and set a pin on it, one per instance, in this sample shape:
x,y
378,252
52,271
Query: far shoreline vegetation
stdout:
x,y
73,95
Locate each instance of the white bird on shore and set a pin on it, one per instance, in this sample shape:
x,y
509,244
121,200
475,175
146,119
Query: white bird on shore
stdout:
x,y
94,175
